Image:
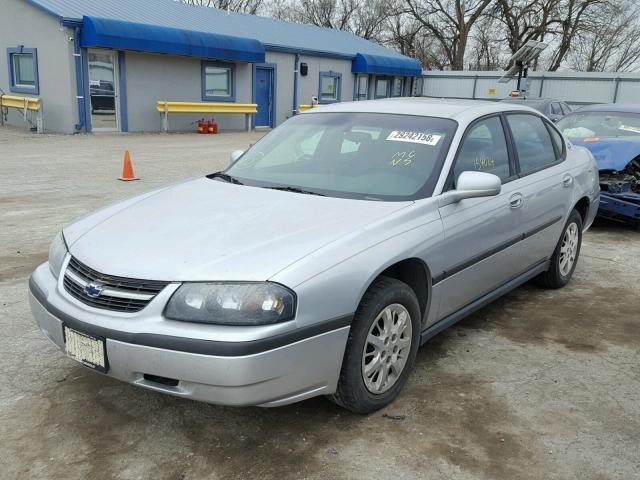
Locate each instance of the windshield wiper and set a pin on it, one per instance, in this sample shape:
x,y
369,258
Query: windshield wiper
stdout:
x,y
226,177
296,190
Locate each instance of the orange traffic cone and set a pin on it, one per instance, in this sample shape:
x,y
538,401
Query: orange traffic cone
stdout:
x,y
127,168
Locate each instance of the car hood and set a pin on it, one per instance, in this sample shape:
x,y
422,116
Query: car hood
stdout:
x,y
209,230
612,153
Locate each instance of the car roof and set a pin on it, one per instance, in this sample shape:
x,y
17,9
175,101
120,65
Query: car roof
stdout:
x,y
529,100
421,106
611,107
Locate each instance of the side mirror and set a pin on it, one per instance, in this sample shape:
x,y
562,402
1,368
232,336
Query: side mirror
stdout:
x,y
236,154
472,185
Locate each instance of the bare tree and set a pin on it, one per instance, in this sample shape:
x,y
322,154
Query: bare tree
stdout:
x,y
365,19
524,20
479,34
486,50
449,22
609,41
570,18
408,36
245,6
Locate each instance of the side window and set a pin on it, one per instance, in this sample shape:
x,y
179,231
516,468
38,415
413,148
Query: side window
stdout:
x,y
566,109
362,87
382,87
218,81
484,149
23,70
558,142
397,87
329,87
533,142
555,109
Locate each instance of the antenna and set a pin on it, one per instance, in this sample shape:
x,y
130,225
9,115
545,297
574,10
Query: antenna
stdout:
x,y
521,61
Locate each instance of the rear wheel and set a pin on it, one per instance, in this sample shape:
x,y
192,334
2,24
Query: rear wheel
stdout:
x,y
381,349
565,257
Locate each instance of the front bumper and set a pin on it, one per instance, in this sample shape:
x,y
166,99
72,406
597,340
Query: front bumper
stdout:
x,y
265,372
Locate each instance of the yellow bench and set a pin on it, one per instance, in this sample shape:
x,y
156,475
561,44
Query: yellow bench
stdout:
x,y
26,104
246,109
304,108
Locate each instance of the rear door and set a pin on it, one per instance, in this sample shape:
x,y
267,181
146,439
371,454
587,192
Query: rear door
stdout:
x,y
545,184
481,248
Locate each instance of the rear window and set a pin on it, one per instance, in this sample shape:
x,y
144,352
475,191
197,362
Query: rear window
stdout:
x,y
533,142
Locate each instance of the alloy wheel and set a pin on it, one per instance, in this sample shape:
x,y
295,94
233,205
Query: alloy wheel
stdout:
x,y
387,348
568,249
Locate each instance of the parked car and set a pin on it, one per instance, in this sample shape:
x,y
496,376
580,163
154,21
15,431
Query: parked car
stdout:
x,y
554,109
324,256
612,134
103,96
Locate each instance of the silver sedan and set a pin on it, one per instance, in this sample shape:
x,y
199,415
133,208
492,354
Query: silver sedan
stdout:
x,y
324,256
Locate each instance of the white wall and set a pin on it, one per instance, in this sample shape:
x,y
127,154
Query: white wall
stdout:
x,y
571,87
23,24
152,77
308,85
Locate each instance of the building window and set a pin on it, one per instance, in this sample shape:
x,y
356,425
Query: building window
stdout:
x,y
329,90
23,70
382,87
418,83
362,87
397,87
218,81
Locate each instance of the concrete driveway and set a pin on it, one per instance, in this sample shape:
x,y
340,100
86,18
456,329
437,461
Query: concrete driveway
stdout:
x,y
539,385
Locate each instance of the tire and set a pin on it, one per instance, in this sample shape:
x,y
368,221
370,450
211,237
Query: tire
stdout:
x,y
385,295
557,276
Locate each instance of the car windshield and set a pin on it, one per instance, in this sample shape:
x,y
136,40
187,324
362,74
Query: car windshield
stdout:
x,y
368,156
600,124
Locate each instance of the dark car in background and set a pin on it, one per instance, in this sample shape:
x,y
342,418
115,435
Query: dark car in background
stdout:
x,y
553,109
611,132
103,96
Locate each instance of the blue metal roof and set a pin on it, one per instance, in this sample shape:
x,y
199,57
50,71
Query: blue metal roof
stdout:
x,y
275,35
367,63
102,32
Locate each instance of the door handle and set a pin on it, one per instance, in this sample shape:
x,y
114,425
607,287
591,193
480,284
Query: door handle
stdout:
x,y
567,180
516,200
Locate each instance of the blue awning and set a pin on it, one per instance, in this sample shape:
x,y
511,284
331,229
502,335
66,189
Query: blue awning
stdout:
x,y
404,66
119,34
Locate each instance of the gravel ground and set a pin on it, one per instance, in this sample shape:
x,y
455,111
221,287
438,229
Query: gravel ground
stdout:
x,y
540,384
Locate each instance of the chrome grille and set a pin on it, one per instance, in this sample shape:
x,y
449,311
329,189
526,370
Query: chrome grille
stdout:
x,y
118,294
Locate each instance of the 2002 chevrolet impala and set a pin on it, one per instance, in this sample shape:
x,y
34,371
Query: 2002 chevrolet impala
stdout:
x,y
324,256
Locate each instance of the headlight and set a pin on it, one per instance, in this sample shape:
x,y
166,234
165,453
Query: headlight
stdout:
x,y
232,303
57,252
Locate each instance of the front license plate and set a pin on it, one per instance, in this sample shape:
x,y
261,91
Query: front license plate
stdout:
x,y
86,349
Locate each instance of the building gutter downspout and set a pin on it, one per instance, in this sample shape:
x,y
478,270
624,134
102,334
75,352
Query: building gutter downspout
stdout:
x,y
296,68
80,92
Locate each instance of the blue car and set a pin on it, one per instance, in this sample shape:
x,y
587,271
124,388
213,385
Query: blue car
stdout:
x,y
612,134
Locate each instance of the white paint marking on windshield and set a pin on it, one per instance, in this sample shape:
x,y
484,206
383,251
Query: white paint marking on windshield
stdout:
x,y
414,137
628,128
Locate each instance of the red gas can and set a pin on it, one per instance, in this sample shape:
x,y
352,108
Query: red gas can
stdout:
x,y
213,126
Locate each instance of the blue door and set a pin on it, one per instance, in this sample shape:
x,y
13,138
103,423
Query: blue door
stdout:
x,y
264,97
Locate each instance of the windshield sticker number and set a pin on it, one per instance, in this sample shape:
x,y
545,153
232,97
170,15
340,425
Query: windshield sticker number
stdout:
x,y
414,137
403,158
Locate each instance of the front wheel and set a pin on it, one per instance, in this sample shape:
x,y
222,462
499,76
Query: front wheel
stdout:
x,y
381,349
565,257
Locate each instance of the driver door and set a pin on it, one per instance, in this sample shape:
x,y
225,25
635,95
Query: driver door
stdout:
x,y
481,247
